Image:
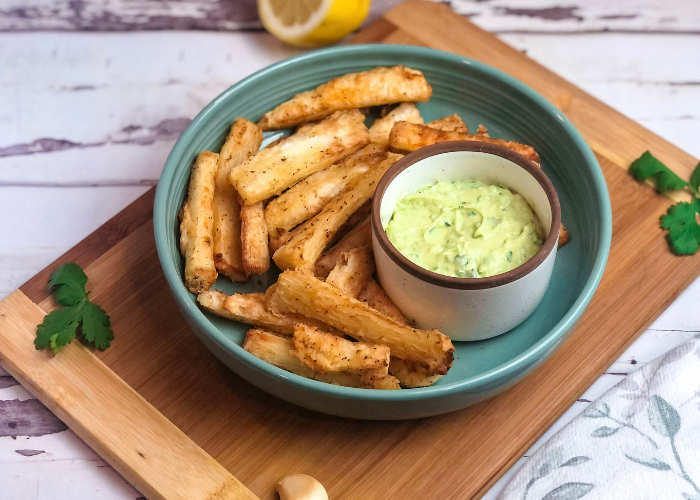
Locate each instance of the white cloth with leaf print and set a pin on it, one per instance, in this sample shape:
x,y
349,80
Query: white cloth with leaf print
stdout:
x,y
640,441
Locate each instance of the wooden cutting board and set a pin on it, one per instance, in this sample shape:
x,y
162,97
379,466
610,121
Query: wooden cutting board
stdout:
x,y
179,425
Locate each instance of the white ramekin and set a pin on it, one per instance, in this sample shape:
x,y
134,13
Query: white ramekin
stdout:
x,y
465,308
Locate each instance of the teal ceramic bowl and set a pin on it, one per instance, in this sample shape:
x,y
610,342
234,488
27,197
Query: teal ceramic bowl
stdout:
x,y
479,94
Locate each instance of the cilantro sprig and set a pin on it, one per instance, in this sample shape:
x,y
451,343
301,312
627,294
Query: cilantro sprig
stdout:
x,y
648,167
78,314
681,219
683,229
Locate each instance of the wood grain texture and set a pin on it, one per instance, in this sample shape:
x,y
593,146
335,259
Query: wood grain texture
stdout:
x,y
137,440
260,439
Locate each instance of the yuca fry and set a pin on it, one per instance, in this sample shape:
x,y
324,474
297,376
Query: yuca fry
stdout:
x,y
411,375
281,240
251,308
564,237
349,225
452,123
274,169
279,351
380,129
306,246
306,198
369,149
358,216
326,353
482,131
375,297
375,87
197,224
352,271
276,142
302,293
254,248
360,236
406,137
243,141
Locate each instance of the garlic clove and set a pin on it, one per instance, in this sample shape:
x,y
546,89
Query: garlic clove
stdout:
x,y
301,487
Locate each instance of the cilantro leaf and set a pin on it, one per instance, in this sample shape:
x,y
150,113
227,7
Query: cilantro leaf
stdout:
x,y
683,229
60,326
57,321
647,166
695,181
61,339
69,283
69,294
68,274
96,326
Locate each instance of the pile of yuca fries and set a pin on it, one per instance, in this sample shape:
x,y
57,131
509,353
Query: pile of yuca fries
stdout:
x,y
305,200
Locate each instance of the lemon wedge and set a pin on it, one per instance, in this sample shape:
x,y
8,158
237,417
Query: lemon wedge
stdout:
x,y
312,23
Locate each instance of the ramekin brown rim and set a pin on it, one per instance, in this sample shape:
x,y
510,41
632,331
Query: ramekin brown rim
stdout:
x,y
455,282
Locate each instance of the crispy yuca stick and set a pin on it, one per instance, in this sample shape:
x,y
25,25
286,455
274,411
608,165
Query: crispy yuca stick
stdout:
x,y
564,237
358,216
197,224
255,252
360,236
406,137
326,353
242,142
353,271
376,298
302,293
380,129
281,240
306,198
355,90
369,149
251,308
411,375
306,245
452,123
276,168
353,221
279,351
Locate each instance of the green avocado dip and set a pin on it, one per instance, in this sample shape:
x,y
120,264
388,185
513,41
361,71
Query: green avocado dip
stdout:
x,y
465,229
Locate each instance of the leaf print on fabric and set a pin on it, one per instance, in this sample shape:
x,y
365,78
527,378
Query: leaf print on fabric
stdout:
x,y
666,420
551,461
652,462
569,491
596,410
604,431
688,496
663,417
572,462
603,411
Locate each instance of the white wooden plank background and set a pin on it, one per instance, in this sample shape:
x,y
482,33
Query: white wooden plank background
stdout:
x,y
93,94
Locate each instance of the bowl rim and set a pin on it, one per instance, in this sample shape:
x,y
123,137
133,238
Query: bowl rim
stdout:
x,y
187,302
452,281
